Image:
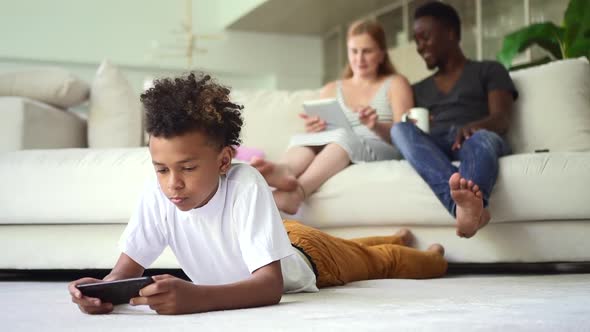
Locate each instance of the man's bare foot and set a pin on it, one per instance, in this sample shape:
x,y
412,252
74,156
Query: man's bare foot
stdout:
x,y
437,248
289,201
470,211
276,175
406,236
485,215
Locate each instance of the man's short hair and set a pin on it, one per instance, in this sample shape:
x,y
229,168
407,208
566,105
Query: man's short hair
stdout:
x,y
441,12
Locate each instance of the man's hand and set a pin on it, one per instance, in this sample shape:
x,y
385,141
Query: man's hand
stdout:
x,y
367,116
88,305
313,124
465,133
169,295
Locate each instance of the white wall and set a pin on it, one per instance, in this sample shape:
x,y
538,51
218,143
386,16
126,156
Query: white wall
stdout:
x,y
78,34
229,11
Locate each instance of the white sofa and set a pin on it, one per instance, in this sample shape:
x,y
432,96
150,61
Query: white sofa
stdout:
x,y
66,208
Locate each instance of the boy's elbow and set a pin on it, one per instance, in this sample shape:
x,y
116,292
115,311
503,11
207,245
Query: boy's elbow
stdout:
x,y
278,291
276,298
275,291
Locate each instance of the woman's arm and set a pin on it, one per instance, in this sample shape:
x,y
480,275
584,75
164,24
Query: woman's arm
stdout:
x,y
170,295
401,100
328,91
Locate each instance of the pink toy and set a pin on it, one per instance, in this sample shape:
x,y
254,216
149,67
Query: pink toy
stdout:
x,y
246,154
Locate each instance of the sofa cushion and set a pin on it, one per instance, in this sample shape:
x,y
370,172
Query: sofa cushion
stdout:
x,y
30,124
115,115
103,186
553,108
530,187
72,186
50,85
270,118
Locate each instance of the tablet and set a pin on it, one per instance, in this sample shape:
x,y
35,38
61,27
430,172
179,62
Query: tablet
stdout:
x,y
328,110
117,291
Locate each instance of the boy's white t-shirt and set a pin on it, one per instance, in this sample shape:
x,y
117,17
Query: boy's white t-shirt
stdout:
x,y
238,231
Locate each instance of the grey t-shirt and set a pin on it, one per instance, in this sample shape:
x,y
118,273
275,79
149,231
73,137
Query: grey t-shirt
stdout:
x,y
467,101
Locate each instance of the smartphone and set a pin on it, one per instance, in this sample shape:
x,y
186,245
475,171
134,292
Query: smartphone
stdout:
x,y
117,291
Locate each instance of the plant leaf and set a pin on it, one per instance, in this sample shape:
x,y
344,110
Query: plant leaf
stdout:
x,y
547,35
570,35
580,47
578,12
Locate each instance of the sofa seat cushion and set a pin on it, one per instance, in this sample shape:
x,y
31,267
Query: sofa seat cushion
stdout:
x,y
103,186
530,187
72,186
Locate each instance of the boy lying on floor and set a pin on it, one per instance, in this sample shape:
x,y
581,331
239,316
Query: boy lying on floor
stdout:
x,y
221,222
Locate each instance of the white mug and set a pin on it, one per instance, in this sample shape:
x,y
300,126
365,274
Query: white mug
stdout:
x,y
421,117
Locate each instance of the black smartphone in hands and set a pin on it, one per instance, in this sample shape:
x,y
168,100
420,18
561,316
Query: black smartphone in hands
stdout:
x,y
117,291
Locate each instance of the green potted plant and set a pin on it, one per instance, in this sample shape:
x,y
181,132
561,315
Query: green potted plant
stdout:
x,y
570,40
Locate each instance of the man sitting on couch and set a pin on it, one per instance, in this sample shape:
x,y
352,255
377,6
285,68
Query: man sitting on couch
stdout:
x,y
470,104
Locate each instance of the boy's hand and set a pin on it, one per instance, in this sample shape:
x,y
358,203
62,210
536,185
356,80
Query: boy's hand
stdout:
x,y
169,295
88,305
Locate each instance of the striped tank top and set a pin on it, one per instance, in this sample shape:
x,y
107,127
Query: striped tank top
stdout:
x,y
380,103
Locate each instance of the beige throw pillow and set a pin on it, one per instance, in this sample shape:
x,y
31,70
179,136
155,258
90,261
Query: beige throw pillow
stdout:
x,y
271,118
553,108
115,116
51,85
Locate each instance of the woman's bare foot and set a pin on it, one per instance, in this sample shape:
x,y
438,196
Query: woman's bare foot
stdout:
x,y
470,211
289,201
437,248
276,175
406,236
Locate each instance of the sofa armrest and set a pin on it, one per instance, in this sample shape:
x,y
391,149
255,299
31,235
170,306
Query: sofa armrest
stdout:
x,y
29,124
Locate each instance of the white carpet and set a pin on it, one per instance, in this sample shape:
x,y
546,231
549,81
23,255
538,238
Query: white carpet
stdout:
x,y
473,303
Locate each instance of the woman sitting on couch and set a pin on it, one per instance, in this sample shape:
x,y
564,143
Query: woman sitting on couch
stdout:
x,y
372,97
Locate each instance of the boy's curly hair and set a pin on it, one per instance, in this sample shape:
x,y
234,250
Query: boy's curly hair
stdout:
x,y
175,106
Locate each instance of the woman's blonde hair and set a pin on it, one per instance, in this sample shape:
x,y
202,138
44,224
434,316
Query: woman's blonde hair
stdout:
x,y
375,30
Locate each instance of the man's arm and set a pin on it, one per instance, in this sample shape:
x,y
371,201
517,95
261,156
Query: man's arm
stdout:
x,y
170,295
500,104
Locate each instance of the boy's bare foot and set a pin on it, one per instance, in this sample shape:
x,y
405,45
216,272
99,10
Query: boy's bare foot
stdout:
x,y
276,175
470,211
437,248
406,236
289,201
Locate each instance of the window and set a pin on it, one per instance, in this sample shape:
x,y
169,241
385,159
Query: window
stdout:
x,y
481,37
499,17
333,59
393,24
467,13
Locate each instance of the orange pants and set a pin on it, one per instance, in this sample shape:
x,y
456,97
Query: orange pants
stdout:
x,y
339,261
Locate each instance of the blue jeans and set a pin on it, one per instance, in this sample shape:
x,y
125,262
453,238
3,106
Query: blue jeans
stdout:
x,y
431,157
